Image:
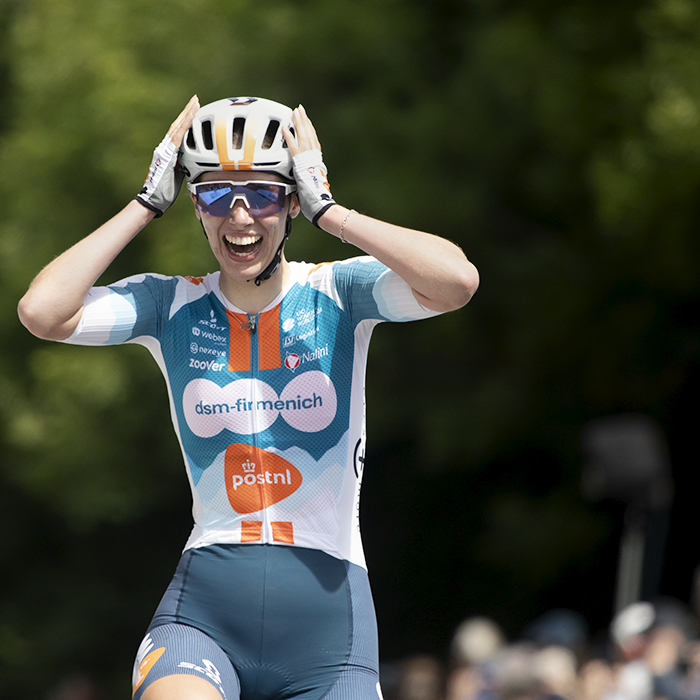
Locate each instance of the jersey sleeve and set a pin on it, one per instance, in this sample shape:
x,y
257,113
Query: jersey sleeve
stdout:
x,y
133,308
368,289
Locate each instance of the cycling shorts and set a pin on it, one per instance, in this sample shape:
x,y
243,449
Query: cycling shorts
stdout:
x,y
265,622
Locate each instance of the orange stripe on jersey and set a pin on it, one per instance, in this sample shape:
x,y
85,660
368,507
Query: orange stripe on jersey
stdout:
x,y
238,343
269,354
317,267
251,530
283,532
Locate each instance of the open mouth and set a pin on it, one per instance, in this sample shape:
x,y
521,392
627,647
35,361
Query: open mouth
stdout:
x,y
243,246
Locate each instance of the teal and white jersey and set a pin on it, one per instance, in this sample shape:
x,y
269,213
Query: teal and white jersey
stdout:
x,y
268,410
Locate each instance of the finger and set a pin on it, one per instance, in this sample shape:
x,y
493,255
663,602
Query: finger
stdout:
x,y
179,127
311,128
291,140
306,133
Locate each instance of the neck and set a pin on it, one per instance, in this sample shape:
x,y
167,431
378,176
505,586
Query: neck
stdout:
x,y
252,298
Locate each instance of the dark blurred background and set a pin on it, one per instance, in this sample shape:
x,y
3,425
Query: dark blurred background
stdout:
x,y
556,141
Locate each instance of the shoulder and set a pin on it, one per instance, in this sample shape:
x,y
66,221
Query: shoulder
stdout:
x,y
358,268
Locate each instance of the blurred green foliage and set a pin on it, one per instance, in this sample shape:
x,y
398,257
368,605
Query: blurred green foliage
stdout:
x,y
558,142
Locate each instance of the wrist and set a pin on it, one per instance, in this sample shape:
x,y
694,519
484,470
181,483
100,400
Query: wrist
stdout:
x,y
332,219
141,211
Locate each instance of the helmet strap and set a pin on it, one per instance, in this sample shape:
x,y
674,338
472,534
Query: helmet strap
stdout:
x,y
277,258
203,229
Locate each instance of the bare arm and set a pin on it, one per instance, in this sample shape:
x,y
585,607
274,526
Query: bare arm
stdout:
x,y
438,272
440,275
53,305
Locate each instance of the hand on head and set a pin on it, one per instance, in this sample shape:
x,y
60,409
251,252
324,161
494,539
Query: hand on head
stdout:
x,y
179,127
305,138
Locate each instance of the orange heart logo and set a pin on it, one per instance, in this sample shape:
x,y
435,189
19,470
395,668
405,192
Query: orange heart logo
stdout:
x,y
256,479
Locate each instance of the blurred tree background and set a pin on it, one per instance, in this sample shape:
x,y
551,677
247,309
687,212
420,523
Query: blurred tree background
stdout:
x,y
557,141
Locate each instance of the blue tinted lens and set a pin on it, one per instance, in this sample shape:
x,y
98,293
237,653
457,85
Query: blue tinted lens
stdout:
x,y
215,199
211,196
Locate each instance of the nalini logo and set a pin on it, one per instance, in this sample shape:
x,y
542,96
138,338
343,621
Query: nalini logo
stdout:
x,y
257,479
292,361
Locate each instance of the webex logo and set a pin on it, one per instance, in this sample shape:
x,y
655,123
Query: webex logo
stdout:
x,y
246,406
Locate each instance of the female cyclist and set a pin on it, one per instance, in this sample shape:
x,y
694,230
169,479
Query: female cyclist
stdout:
x,y
264,361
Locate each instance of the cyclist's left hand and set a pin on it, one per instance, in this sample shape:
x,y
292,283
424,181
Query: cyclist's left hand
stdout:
x,y
305,138
310,172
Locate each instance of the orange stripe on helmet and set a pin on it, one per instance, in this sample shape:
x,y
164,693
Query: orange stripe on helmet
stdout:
x,y
222,146
222,143
252,127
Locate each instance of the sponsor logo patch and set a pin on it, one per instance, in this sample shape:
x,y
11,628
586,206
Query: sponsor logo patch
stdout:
x,y
257,479
247,406
146,663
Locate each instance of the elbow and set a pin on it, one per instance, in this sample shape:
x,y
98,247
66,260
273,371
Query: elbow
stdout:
x,y
468,284
454,292
39,323
465,284
31,319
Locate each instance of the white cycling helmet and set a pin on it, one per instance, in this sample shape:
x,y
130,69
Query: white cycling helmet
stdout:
x,y
238,133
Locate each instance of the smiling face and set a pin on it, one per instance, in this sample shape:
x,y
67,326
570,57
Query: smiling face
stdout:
x,y
244,244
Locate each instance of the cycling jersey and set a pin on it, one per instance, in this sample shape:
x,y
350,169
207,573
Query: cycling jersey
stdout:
x,y
268,409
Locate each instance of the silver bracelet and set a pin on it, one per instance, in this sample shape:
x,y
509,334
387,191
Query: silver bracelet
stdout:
x,y
342,226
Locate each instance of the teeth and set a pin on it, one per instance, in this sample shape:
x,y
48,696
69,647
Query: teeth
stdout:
x,y
242,240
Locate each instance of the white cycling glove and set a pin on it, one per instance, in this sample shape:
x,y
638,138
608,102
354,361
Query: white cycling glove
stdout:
x,y
164,180
313,189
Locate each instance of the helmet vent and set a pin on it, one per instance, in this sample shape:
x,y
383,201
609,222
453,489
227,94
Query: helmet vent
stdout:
x,y
207,135
237,133
270,134
190,139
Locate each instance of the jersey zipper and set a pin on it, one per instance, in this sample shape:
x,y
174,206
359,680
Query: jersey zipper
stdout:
x,y
254,372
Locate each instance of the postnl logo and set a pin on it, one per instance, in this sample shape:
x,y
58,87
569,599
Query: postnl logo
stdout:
x,y
257,479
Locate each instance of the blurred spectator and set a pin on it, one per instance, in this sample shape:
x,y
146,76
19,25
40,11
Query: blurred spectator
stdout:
x,y
595,680
668,648
560,628
629,630
477,640
421,678
515,676
475,645
691,684
652,642
76,687
556,672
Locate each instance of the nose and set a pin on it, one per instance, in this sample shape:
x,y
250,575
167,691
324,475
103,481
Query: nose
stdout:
x,y
240,213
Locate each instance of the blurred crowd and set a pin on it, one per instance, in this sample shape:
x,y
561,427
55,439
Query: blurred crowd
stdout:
x,y
651,651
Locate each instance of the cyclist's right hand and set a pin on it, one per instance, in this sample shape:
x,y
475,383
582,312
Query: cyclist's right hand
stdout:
x,y
164,178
